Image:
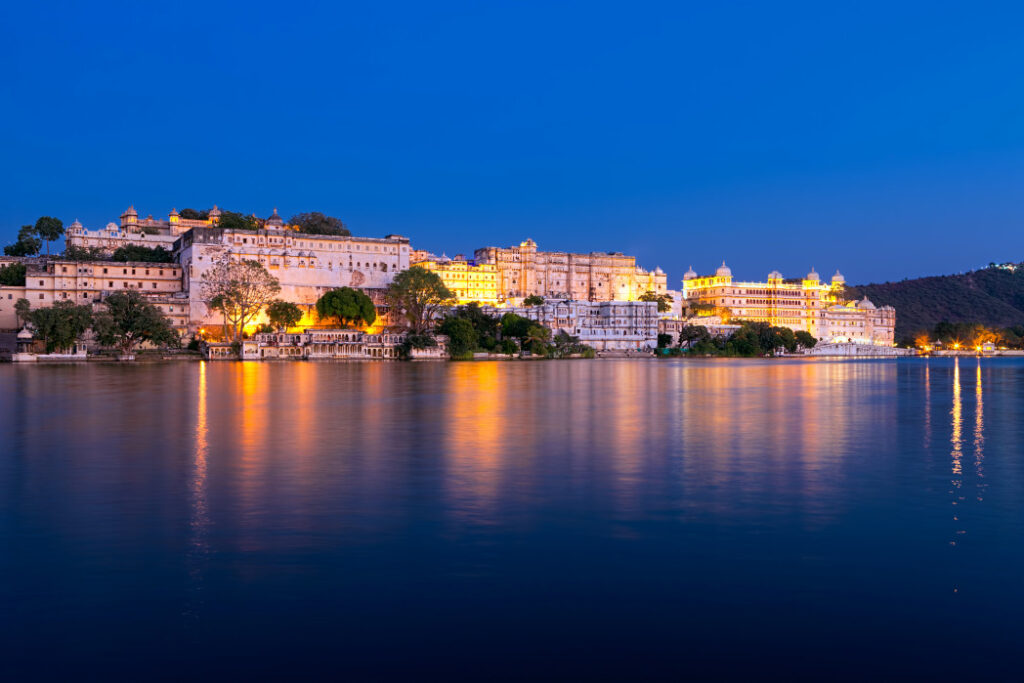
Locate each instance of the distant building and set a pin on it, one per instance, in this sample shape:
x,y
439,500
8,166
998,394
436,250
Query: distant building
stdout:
x,y
525,271
467,280
806,304
603,325
148,232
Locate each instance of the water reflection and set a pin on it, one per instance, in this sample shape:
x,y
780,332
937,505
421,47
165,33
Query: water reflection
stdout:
x,y
199,519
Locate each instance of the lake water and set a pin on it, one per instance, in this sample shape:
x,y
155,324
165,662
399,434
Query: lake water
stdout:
x,y
628,519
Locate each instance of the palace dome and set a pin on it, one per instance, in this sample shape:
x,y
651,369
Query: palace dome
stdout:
x,y
838,278
775,275
723,271
690,274
275,219
865,303
813,275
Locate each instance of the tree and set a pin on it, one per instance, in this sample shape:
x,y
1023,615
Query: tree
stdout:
x,y
130,320
515,326
239,290
537,337
416,295
49,229
283,314
462,338
74,253
485,325
316,223
21,309
231,220
664,340
509,347
533,300
60,325
13,275
805,339
134,252
693,334
664,301
26,245
350,306
193,215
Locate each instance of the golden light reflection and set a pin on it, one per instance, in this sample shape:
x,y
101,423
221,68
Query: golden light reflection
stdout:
x,y
199,519
927,407
475,438
956,441
979,427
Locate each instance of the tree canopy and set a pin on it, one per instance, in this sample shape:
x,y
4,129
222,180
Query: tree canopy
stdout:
x,y
533,300
462,337
239,291
128,320
664,300
134,252
232,220
13,275
27,244
349,306
194,215
49,229
316,223
283,314
416,295
59,325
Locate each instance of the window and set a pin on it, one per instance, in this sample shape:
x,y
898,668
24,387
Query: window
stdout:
x,y
40,296
104,271
154,285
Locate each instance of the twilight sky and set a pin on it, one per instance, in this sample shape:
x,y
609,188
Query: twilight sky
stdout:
x,y
885,139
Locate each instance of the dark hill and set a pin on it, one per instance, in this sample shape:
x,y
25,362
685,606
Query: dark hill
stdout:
x,y
993,296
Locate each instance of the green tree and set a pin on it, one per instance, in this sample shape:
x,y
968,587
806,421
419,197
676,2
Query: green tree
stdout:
x,y
134,252
239,290
537,337
350,306
417,295
805,339
28,244
74,253
692,334
316,223
509,347
486,325
664,340
664,301
21,310
533,300
60,325
462,338
515,326
49,229
13,275
232,220
283,314
128,320
194,215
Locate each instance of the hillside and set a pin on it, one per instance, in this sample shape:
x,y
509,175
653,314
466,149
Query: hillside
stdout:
x,y
993,296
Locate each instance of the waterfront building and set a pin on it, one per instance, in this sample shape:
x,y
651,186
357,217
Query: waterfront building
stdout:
x,y
88,282
468,281
524,271
603,325
807,304
327,344
306,266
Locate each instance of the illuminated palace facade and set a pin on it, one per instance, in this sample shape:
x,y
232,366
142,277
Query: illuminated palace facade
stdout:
x,y
524,271
148,232
806,304
307,266
467,280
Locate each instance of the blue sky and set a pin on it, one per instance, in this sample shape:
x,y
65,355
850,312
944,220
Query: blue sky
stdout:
x,y
884,139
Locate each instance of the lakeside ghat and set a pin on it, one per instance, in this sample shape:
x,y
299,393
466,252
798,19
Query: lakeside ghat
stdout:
x,y
229,285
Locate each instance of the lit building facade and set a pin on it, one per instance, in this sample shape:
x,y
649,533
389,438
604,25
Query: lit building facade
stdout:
x,y
806,304
307,266
524,271
603,325
468,281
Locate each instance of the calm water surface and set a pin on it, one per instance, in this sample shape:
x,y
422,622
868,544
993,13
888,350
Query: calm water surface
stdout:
x,y
631,519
